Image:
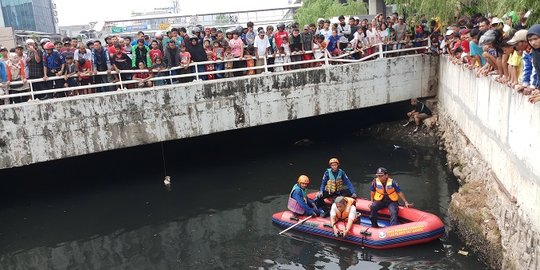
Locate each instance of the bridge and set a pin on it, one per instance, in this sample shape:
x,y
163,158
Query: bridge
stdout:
x,y
39,131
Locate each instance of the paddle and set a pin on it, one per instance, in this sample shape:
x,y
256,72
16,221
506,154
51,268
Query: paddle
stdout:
x,y
298,223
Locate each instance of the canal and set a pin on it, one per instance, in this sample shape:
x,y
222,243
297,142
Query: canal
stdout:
x,y
112,211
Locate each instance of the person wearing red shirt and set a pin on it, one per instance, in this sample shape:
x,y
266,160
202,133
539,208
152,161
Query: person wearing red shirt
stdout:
x,y
280,34
155,51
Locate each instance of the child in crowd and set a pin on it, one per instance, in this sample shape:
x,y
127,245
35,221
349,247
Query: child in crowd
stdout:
x,y
185,60
508,50
85,72
143,77
229,64
250,62
279,59
348,50
219,53
287,53
158,68
155,51
70,70
209,50
318,48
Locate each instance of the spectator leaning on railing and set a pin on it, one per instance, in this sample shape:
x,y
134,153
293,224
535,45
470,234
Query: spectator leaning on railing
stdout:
x,y
175,52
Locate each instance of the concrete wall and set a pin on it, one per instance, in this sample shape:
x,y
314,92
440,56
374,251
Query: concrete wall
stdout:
x,y
505,130
55,129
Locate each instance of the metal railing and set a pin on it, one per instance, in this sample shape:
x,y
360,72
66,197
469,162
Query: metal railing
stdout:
x,y
197,76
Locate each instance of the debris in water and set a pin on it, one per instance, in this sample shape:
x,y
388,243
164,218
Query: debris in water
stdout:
x,y
167,181
463,252
396,147
303,142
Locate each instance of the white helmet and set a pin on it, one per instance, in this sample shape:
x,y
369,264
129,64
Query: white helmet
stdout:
x,y
44,40
158,34
29,41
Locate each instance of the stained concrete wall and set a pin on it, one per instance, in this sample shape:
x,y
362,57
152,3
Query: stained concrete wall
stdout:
x,y
55,129
505,130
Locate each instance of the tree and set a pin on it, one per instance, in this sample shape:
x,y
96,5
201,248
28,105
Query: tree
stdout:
x,y
449,10
312,10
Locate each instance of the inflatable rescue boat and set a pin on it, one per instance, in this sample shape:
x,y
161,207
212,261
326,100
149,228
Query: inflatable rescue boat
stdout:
x,y
415,227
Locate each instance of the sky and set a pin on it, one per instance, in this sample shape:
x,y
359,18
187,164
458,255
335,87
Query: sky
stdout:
x,y
70,12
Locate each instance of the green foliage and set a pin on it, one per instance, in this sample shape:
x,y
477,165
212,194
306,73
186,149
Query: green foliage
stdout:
x,y
449,10
311,10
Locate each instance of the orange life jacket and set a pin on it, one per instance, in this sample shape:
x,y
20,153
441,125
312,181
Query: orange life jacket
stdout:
x,y
344,216
388,189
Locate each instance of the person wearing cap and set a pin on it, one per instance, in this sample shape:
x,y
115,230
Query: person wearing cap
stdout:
x,y
53,65
385,193
343,210
261,44
515,62
335,182
298,202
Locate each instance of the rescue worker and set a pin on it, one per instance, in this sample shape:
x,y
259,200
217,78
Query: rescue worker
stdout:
x,y
385,192
343,209
298,202
334,183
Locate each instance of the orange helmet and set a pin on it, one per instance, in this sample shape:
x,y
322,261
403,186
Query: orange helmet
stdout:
x,y
333,160
48,46
303,179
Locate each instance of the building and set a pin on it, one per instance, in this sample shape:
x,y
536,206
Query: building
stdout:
x,y
30,15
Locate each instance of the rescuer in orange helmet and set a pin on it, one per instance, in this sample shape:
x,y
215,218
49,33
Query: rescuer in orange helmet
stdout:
x,y
335,182
298,202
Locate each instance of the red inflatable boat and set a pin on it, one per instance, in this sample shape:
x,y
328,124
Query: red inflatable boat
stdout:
x,y
415,227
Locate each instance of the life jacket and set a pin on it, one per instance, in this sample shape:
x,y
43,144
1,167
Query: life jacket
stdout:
x,y
344,216
381,191
334,184
293,204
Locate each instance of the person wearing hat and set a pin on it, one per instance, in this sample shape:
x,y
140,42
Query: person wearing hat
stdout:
x,y
335,182
515,62
385,193
298,202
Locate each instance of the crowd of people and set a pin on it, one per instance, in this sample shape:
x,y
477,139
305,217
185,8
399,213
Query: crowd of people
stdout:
x,y
501,47
142,60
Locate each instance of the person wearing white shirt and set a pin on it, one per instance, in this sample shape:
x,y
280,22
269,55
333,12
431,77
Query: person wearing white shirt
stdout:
x,y
261,44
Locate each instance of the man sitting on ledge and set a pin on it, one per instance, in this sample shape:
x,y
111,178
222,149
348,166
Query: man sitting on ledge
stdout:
x,y
419,114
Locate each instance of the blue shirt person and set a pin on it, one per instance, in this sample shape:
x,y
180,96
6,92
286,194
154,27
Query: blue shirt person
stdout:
x,y
385,192
335,182
298,202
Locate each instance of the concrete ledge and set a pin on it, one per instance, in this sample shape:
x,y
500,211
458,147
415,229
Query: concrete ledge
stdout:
x,y
56,129
505,131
